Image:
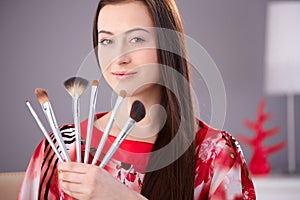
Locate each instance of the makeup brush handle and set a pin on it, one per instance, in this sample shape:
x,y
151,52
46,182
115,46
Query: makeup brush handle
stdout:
x,y
107,129
90,123
103,140
55,129
109,155
76,116
41,126
61,143
117,106
118,141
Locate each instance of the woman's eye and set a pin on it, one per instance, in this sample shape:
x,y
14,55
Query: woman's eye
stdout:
x,y
105,42
136,40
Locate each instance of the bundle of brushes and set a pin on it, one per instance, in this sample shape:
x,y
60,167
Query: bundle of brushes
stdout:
x,y
76,86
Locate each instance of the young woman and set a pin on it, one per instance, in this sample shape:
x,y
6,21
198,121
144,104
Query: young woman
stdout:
x,y
131,38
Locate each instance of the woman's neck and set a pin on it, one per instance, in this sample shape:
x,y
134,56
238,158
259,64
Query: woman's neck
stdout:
x,y
147,129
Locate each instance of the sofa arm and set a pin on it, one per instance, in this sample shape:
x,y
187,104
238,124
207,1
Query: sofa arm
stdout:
x,y
10,183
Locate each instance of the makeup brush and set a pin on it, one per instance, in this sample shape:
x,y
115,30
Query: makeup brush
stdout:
x,y
42,97
38,121
89,131
137,113
108,127
76,87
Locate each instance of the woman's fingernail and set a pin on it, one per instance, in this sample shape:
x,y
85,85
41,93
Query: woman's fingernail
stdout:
x,y
61,184
60,174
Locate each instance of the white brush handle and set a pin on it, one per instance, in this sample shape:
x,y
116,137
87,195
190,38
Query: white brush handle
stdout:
x,y
76,116
107,129
47,108
90,123
118,141
38,121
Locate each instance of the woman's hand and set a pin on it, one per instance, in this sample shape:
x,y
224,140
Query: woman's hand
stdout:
x,y
83,181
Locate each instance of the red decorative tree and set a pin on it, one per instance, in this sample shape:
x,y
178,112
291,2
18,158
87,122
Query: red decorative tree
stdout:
x,y
259,164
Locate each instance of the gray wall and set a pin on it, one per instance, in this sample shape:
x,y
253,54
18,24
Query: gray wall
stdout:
x,y
44,42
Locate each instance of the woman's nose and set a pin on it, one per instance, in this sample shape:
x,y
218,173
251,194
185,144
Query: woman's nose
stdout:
x,y
123,59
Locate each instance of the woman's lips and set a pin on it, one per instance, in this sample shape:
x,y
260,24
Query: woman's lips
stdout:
x,y
120,75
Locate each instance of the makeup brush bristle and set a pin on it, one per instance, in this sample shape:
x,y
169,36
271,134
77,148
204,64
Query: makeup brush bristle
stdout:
x,y
41,95
76,85
95,83
122,93
137,112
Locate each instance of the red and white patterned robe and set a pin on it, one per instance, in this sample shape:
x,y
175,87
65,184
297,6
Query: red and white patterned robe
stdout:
x,y
220,172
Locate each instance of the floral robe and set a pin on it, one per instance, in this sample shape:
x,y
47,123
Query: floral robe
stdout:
x,y
220,171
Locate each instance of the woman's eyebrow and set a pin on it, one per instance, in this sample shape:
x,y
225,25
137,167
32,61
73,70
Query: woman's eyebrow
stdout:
x,y
126,32
137,29
105,32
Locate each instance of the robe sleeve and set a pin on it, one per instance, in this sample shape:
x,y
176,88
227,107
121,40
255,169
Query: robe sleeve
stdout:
x,y
41,177
221,171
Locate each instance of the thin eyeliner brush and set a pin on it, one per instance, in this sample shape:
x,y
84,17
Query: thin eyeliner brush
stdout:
x,y
38,121
114,112
137,113
89,131
76,86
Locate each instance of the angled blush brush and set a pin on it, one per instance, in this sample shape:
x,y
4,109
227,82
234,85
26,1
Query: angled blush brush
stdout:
x,y
108,127
89,131
76,86
137,113
42,97
38,121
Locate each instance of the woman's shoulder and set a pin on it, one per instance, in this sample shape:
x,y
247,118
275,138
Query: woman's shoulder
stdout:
x,y
211,140
221,169
207,133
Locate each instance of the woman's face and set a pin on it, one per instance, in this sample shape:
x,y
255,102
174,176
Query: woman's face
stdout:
x,y
127,47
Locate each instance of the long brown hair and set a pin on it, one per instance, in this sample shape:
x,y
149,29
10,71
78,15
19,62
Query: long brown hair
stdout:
x,y
176,180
